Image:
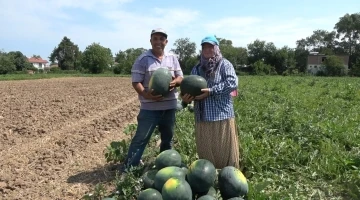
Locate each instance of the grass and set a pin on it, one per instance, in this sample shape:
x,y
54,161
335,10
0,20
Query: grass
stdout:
x,y
300,136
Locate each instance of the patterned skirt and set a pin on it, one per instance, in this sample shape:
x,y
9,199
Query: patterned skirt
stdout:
x,y
218,142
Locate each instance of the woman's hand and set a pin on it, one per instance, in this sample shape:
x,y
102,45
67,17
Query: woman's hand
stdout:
x,y
206,93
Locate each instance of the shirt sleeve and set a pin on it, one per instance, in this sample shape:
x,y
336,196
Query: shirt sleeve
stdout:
x,y
229,80
138,70
177,69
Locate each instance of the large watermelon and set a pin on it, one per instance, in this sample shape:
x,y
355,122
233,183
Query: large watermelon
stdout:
x,y
201,175
232,183
176,189
192,85
164,174
150,194
168,158
160,81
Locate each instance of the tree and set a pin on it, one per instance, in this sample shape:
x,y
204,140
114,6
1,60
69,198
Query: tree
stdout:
x,y
126,59
185,49
236,55
355,70
256,51
67,55
96,58
348,30
21,62
333,66
6,63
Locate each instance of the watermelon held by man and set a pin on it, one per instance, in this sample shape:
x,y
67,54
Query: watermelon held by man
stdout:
x,y
160,81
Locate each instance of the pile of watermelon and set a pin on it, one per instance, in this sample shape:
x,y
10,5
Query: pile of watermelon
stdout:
x,y
170,179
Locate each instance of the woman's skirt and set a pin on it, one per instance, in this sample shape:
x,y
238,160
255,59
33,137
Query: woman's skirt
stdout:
x,y
218,142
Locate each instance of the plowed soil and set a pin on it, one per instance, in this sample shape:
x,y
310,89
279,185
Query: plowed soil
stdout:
x,y
53,133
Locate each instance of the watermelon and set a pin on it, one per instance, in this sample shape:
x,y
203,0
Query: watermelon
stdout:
x,y
201,175
232,182
206,197
164,174
148,178
176,189
168,158
150,194
192,85
160,81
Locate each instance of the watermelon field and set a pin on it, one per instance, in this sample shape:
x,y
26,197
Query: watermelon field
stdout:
x,y
61,138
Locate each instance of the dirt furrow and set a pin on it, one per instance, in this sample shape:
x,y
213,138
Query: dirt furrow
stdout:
x,y
66,161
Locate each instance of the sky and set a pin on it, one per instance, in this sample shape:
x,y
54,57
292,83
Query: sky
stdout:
x,y
38,26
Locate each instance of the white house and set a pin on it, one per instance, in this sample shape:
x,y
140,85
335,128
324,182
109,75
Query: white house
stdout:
x,y
38,62
315,61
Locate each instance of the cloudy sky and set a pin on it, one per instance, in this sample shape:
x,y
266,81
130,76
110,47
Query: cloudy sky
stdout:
x,y
37,26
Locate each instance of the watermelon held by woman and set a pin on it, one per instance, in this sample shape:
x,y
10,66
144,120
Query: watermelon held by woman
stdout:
x,y
160,81
192,85
232,183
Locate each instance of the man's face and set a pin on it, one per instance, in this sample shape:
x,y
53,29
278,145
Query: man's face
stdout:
x,y
158,41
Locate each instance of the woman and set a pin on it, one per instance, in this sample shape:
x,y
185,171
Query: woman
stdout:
x,y
215,127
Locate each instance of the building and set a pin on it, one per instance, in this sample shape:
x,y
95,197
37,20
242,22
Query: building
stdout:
x,y
38,62
315,62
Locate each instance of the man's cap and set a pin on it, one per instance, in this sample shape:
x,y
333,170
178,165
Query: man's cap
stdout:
x,y
210,39
159,30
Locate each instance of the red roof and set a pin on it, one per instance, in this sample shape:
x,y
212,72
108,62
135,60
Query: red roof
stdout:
x,y
37,60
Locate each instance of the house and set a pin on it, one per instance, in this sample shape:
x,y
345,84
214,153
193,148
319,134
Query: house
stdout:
x,y
38,62
315,60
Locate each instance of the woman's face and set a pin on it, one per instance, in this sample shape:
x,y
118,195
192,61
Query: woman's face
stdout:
x,y
208,50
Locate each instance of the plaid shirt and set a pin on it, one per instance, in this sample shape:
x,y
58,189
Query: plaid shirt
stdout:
x,y
218,105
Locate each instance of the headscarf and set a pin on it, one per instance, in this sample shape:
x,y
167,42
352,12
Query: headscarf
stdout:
x,y
209,65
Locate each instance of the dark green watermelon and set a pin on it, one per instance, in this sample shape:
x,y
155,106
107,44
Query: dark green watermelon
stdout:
x,y
232,183
166,173
160,81
150,194
168,158
176,189
201,175
192,85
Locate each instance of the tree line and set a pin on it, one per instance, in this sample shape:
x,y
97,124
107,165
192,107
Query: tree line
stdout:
x,y
259,57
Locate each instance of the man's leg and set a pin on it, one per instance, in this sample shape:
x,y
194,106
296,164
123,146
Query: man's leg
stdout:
x,y
147,121
166,129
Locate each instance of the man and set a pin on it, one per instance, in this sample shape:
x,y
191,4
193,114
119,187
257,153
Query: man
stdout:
x,y
154,110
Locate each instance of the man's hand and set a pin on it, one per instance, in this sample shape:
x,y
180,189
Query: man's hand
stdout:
x,y
206,93
187,98
175,82
150,96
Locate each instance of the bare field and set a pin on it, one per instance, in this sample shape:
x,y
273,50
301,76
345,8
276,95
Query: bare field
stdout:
x,y
53,133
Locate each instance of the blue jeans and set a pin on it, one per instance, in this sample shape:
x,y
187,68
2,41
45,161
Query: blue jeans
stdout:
x,y
147,122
